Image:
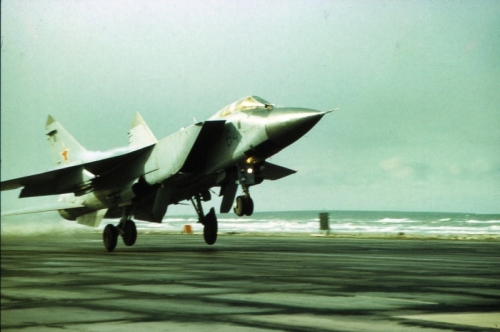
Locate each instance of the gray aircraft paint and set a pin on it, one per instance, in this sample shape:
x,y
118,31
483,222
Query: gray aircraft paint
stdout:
x,y
143,179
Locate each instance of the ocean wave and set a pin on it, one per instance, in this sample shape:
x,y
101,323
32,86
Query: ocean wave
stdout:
x,y
289,222
483,221
347,225
396,220
240,220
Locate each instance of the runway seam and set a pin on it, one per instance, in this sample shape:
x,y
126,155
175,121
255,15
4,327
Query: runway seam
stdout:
x,y
394,299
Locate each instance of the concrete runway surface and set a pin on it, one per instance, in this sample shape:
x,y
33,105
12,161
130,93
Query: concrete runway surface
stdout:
x,y
172,282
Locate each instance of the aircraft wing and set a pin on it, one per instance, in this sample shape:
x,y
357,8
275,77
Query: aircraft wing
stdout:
x,y
106,165
43,208
46,183
70,178
275,172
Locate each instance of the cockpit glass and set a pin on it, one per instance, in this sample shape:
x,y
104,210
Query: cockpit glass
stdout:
x,y
247,103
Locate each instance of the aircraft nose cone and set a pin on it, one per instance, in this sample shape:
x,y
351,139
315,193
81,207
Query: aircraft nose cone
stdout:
x,y
285,126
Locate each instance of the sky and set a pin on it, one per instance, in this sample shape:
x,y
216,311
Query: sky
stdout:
x,y
417,84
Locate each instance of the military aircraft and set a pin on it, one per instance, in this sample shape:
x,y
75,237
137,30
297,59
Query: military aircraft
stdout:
x,y
229,150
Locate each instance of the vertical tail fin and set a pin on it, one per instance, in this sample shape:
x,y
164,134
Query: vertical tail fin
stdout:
x,y
64,147
140,135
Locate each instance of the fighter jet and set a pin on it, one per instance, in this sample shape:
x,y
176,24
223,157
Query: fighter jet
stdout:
x,y
140,181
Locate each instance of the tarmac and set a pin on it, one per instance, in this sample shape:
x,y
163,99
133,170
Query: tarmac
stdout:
x,y
173,282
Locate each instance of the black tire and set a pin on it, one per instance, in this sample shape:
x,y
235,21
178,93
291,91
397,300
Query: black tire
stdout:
x,y
248,206
129,233
239,209
210,228
110,237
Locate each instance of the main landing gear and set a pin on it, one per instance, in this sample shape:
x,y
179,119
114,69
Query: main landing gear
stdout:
x,y
209,221
244,203
126,228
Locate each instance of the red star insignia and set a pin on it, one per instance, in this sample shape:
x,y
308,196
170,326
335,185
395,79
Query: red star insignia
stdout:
x,y
64,154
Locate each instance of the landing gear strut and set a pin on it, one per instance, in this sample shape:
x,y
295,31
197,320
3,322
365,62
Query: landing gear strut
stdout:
x,y
244,203
126,228
209,221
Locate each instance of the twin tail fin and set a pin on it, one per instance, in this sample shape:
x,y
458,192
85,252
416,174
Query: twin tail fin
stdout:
x,y
64,147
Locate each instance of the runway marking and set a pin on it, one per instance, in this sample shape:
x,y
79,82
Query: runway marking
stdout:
x,y
368,257
318,301
473,259
489,320
230,253
394,299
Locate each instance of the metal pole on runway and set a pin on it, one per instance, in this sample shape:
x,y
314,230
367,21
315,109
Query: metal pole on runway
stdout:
x,y
324,223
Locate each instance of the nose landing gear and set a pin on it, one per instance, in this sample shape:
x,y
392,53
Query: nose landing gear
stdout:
x,y
244,204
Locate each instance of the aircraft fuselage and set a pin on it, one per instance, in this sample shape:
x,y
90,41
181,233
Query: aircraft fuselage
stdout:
x,y
229,150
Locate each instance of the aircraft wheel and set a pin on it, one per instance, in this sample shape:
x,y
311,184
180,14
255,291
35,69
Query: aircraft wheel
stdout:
x,y
248,206
239,208
129,233
210,227
110,237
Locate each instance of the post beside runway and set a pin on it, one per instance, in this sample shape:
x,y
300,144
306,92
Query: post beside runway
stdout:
x,y
324,222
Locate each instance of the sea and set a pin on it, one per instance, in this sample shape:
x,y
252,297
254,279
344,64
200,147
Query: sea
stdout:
x,y
346,222
288,222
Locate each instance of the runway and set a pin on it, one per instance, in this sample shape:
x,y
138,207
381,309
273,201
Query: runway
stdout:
x,y
172,282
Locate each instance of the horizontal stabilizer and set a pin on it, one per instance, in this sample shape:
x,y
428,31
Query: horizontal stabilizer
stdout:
x,y
275,172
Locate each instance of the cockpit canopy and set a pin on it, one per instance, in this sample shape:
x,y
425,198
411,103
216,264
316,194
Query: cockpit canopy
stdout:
x,y
247,103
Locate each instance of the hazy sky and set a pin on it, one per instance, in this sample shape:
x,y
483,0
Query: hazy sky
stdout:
x,y
417,84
